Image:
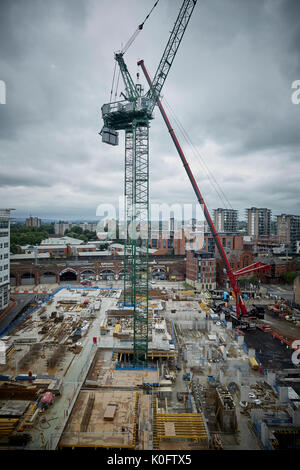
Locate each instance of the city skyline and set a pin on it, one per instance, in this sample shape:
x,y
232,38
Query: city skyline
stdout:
x,y
57,65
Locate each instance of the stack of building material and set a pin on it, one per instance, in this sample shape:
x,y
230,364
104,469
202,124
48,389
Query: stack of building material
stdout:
x,y
10,414
7,426
7,348
87,413
18,391
28,419
110,411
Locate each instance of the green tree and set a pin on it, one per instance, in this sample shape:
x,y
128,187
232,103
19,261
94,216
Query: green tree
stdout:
x,y
83,237
77,229
289,277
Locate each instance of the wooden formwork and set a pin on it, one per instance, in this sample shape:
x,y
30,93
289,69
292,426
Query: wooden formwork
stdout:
x,y
177,427
118,432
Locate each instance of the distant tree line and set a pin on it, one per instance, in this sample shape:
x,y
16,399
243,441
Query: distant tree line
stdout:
x,y
21,235
78,232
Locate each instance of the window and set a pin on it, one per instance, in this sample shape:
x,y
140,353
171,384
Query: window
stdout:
x,y
170,243
3,234
3,224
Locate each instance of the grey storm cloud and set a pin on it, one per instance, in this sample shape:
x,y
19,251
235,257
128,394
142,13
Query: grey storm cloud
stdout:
x,y
229,87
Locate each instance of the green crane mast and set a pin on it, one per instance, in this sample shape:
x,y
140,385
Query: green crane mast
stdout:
x,y
133,115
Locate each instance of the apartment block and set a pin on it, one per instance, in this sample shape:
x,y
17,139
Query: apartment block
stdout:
x,y
201,270
288,230
4,257
33,222
230,241
259,221
60,228
226,220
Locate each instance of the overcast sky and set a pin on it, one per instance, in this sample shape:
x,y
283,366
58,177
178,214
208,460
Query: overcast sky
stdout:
x,y
229,87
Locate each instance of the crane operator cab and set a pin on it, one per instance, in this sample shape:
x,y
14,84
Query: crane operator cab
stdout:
x,y
121,114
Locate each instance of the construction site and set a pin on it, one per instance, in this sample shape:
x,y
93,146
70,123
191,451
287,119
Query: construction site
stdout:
x,y
68,379
149,369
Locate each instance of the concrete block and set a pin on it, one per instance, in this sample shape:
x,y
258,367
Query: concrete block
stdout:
x,y
283,394
264,433
221,377
296,417
239,377
271,376
251,352
245,389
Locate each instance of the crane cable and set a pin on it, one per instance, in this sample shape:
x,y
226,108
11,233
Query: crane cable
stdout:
x,y
117,85
113,81
125,48
138,30
200,159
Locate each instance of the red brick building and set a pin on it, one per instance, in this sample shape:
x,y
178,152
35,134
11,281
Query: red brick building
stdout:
x,y
201,270
237,259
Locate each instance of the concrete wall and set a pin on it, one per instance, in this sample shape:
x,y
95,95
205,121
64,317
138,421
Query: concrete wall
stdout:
x,y
297,290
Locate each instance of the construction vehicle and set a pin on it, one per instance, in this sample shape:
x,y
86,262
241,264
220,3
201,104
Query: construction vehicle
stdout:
x,y
263,327
47,400
258,311
253,363
241,309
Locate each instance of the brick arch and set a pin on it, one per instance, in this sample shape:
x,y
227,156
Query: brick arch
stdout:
x,y
86,268
63,274
157,271
120,274
52,272
91,273
106,274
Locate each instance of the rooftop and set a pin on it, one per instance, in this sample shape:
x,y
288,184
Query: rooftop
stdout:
x,y
62,241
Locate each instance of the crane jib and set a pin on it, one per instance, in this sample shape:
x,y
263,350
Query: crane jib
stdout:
x,y
171,49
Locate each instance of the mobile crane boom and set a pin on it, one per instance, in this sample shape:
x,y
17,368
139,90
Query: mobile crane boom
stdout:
x,y
240,304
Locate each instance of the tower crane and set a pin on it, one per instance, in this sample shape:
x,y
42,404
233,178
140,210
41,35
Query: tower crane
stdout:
x,y
133,115
241,309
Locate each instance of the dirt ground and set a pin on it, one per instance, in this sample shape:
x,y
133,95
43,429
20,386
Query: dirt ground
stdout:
x,y
270,351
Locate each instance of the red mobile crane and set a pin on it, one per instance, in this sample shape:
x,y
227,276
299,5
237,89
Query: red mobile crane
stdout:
x,y
241,309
